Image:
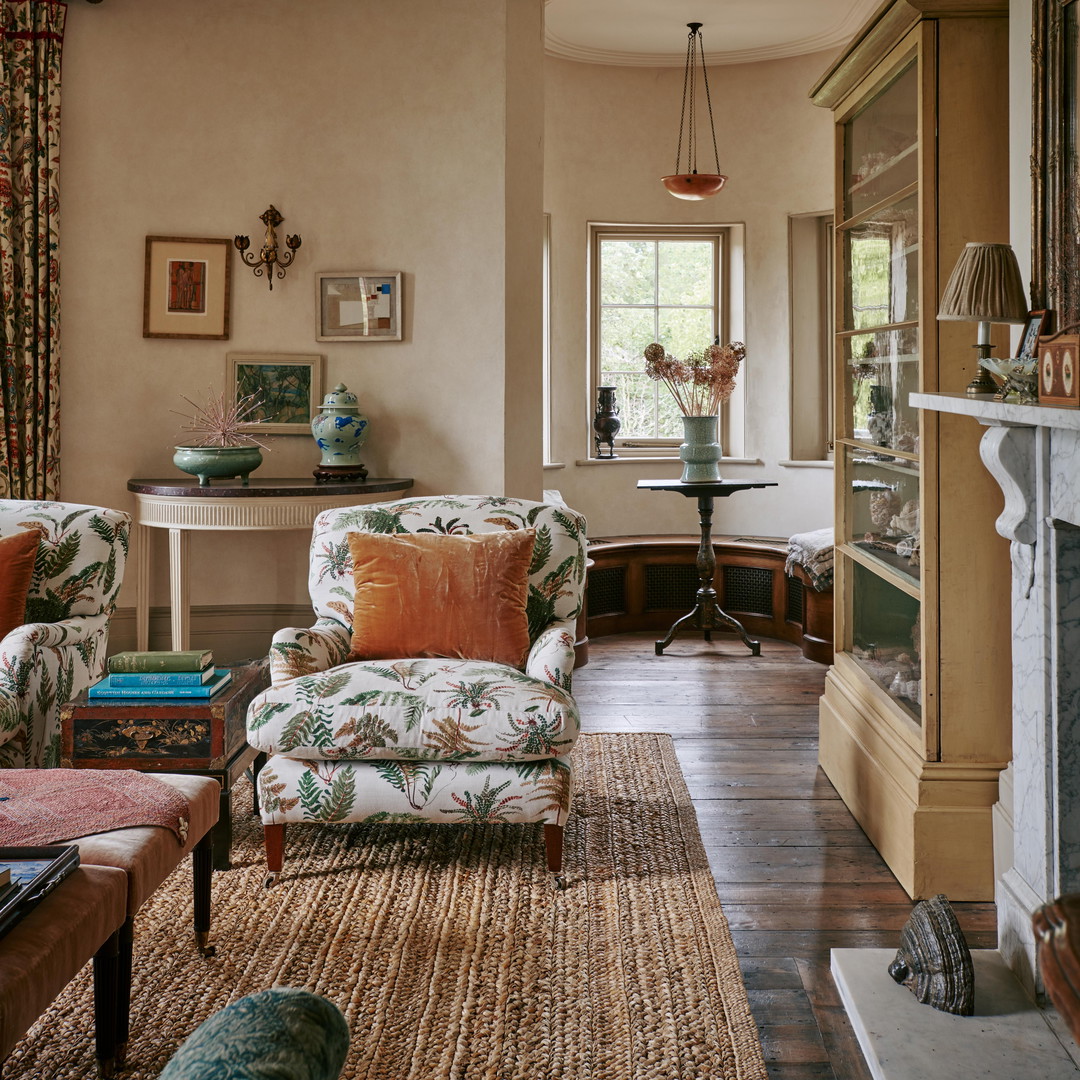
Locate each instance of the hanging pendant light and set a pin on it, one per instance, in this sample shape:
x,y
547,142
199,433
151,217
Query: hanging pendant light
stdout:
x,y
692,184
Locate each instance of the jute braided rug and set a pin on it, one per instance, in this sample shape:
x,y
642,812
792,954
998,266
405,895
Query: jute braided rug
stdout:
x,y
449,951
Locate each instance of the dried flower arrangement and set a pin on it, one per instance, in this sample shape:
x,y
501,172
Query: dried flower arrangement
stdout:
x,y
700,382
224,423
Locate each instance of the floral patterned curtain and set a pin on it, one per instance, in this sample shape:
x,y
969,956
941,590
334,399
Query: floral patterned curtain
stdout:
x,y
31,37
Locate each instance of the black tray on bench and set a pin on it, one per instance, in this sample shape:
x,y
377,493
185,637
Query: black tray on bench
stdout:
x,y
35,872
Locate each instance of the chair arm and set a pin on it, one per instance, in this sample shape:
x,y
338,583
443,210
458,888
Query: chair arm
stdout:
x,y
551,657
70,631
295,651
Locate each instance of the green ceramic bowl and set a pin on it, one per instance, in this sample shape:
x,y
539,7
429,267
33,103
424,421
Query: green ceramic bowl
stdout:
x,y
207,461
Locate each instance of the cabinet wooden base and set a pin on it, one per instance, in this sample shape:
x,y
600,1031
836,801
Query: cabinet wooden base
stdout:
x,y
931,821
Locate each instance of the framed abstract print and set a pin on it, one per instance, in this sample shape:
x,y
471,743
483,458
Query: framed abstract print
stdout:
x,y
358,305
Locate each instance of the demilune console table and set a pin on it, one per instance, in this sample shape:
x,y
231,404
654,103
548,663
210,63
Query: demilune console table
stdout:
x,y
707,614
182,506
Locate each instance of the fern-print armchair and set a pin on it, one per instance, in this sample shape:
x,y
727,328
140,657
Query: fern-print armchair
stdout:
x,y
423,740
60,648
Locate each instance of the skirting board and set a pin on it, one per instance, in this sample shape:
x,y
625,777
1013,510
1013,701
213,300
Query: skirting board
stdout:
x,y
901,1039
234,632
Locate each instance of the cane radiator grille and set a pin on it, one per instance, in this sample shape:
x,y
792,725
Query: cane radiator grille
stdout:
x,y
606,591
670,588
795,600
748,588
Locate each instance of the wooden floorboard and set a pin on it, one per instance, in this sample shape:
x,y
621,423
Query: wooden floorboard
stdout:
x,y
796,875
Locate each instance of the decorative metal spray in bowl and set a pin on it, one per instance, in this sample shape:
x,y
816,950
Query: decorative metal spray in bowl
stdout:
x,y
225,446
339,429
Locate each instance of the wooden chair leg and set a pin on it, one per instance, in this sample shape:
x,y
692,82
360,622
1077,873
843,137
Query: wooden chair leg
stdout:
x,y
106,1004
126,945
553,840
274,841
202,872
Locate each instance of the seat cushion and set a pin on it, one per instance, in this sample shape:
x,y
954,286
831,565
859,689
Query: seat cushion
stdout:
x,y
462,597
149,853
47,948
451,710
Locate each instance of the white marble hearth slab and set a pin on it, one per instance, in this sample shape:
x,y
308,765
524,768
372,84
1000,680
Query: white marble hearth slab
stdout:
x,y
901,1039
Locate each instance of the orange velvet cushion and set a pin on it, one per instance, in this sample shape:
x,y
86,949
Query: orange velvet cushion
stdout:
x,y
17,554
462,597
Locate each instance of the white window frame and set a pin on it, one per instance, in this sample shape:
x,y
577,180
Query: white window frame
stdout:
x,y
811,251
727,321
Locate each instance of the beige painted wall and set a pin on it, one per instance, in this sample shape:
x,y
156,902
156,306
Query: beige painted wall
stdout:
x,y
610,135
402,136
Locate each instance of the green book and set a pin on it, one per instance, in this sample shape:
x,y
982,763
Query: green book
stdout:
x,y
181,660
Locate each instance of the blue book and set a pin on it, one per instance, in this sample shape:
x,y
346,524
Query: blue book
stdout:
x,y
161,678
107,688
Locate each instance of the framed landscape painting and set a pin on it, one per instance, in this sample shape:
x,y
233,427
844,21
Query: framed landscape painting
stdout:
x,y
358,305
289,389
186,288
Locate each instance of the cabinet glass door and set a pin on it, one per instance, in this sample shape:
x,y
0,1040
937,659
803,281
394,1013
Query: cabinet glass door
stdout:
x,y
878,352
881,145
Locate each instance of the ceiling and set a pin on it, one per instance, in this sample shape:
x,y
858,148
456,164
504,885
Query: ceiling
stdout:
x,y
652,33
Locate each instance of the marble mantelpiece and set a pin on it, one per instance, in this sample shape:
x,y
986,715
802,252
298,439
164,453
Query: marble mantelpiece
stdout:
x,y
1033,452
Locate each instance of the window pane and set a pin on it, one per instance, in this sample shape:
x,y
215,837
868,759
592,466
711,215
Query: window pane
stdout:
x,y
685,330
686,272
624,333
669,417
635,396
627,272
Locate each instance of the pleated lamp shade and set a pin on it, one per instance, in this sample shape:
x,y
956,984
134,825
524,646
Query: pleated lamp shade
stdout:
x,y
985,286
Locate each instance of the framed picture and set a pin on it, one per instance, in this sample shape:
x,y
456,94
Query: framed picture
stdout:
x,y
186,288
289,388
1036,324
358,305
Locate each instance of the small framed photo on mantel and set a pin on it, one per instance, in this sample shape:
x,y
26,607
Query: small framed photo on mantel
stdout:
x,y
358,305
1037,323
186,288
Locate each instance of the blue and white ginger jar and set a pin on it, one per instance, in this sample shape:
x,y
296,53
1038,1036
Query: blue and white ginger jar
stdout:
x,y
340,428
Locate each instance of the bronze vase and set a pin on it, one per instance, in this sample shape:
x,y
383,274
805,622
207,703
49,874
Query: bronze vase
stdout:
x,y
606,422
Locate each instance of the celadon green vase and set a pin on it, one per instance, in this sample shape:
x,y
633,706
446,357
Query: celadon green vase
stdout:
x,y
700,452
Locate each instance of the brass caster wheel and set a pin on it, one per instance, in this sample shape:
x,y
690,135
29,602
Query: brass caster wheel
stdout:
x,y
560,883
202,940
270,881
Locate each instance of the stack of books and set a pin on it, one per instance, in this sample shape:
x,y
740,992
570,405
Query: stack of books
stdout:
x,y
186,673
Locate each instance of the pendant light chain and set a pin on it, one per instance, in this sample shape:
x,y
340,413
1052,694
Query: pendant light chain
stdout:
x,y
688,71
708,100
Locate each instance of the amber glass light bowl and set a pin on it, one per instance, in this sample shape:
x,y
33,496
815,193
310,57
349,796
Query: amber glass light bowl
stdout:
x,y
694,185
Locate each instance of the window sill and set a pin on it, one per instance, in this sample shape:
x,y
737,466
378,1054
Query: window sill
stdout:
x,y
823,464
666,459
554,465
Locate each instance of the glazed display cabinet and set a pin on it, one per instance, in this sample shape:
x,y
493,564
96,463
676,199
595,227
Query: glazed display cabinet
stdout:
x,y
915,719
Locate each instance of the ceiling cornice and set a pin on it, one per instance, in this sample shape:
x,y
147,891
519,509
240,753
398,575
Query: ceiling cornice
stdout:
x,y
833,37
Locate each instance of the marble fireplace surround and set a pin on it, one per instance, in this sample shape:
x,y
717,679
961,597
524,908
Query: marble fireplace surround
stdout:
x,y
1033,452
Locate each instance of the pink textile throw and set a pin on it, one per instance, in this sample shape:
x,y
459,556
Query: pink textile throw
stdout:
x,y
45,806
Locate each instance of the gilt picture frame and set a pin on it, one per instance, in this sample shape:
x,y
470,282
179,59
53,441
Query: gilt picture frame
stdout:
x,y
186,287
289,386
358,305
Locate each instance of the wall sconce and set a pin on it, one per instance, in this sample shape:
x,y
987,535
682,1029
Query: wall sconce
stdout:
x,y
268,257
